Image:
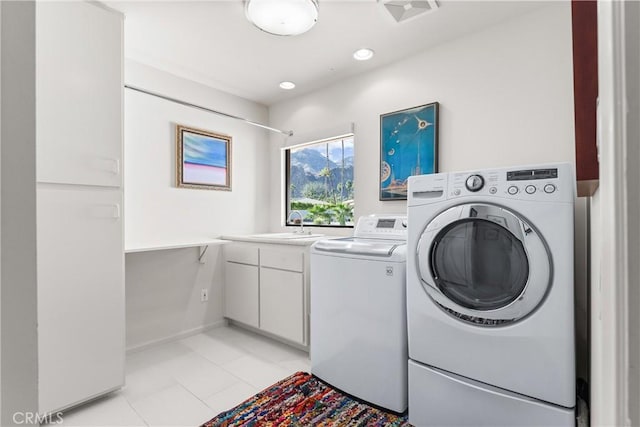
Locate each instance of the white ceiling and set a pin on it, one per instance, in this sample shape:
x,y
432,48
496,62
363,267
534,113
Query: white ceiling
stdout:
x,y
211,42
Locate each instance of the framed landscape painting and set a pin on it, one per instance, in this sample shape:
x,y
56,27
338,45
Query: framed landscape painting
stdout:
x,y
408,146
204,159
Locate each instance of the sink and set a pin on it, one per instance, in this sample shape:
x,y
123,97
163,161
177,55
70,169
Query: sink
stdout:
x,y
285,236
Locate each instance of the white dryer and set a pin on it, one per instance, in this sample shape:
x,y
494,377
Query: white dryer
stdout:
x,y
490,297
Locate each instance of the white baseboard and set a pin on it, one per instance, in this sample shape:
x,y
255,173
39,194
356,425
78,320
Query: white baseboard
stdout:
x,y
184,334
268,335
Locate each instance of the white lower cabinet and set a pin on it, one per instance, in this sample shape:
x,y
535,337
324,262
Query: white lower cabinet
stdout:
x,y
80,294
282,303
266,287
241,293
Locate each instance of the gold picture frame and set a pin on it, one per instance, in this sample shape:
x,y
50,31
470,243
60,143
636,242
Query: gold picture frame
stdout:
x,y
203,159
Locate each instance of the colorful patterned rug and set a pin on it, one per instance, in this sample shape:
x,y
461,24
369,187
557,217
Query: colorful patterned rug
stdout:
x,y
303,400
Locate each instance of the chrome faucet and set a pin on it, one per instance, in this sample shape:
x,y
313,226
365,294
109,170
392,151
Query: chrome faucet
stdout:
x,y
301,220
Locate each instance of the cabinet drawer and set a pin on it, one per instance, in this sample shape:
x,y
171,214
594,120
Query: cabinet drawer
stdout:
x,y
241,254
282,259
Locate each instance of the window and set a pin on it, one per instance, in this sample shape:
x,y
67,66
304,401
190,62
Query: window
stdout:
x,y
319,182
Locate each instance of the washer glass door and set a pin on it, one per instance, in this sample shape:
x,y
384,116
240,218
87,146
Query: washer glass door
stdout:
x,y
483,264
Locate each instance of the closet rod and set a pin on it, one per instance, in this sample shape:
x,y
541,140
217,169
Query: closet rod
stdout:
x,y
209,110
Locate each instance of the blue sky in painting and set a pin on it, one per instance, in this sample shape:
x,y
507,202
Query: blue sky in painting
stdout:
x,y
408,143
204,150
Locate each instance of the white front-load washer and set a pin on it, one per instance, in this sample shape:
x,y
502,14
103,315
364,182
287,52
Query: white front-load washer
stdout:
x,y
490,297
358,312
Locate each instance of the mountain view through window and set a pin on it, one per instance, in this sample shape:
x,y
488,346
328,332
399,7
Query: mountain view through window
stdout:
x,y
320,183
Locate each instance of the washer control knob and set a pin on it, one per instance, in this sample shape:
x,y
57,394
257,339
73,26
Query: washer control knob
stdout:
x,y
456,192
493,190
512,190
549,188
474,183
530,189
404,223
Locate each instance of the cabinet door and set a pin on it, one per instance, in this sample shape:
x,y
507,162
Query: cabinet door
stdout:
x,y
281,303
79,93
81,308
241,293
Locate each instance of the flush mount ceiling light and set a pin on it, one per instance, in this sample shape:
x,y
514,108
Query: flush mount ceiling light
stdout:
x,y
282,17
287,85
401,10
363,54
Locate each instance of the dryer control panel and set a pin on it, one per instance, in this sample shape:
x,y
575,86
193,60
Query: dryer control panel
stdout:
x,y
537,183
534,183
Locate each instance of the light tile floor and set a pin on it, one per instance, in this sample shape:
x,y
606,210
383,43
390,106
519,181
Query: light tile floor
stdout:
x,y
188,382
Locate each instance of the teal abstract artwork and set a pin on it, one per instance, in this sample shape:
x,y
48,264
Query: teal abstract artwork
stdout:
x,y
408,146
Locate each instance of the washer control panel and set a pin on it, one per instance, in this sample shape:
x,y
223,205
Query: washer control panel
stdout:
x,y
392,227
532,184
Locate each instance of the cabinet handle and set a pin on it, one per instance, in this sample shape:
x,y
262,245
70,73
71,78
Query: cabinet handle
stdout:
x,y
110,165
116,166
106,211
116,211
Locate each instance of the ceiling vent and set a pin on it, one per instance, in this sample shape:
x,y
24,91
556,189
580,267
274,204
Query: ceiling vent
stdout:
x,y
401,10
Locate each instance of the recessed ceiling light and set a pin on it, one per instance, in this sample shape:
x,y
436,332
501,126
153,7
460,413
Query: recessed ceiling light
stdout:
x,y
282,17
287,85
363,54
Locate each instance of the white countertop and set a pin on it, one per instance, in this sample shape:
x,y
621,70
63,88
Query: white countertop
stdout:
x,y
276,238
187,243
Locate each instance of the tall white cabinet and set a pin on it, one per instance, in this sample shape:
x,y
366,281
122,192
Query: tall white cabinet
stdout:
x,y
80,249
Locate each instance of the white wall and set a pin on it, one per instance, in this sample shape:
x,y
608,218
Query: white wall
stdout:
x,y
505,94
155,209
163,287
163,294
506,98
0,214
632,45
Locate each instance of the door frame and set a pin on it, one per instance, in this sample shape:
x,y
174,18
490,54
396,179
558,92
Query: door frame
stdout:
x,y
615,345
